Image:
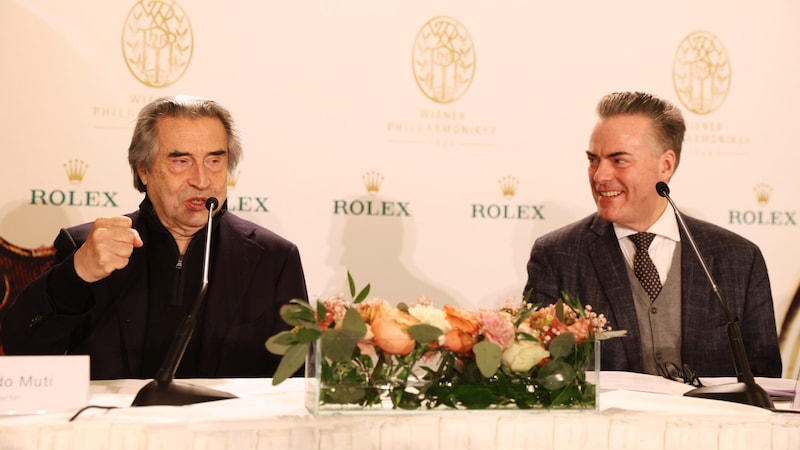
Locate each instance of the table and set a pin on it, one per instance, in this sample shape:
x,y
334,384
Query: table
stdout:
x,y
274,417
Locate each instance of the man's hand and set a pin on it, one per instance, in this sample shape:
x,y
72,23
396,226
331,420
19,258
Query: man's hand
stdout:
x,y
108,248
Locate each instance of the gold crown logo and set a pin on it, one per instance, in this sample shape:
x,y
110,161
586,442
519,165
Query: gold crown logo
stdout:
x,y
508,185
372,181
762,191
233,178
76,169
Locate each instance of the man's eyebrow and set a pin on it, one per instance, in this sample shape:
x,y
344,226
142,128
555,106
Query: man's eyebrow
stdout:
x,y
180,154
610,155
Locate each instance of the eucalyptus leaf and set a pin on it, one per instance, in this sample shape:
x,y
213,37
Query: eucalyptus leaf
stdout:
x,y
291,362
487,356
339,345
562,345
353,322
298,315
555,375
278,344
424,333
307,335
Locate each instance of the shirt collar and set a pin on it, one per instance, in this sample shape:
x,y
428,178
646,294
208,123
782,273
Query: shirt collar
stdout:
x,y
666,226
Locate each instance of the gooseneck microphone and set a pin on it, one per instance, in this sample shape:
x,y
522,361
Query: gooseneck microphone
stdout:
x,y
163,390
746,391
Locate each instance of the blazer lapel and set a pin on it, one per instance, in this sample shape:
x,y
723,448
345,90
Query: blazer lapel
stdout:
x,y
609,264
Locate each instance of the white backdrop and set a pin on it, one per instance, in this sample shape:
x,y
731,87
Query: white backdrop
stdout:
x,y
329,93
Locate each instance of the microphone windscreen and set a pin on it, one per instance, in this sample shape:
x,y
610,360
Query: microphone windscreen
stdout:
x,y
662,189
212,203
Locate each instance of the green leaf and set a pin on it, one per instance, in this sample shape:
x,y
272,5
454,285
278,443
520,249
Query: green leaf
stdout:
x,y
339,345
298,315
352,285
555,375
560,310
562,345
362,295
424,333
488,356
353,322
278,344
291,362
307,335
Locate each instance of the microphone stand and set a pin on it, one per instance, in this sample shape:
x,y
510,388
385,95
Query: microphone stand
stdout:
x,y
164,390
746,391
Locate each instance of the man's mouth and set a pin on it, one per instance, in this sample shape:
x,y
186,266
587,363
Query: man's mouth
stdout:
x,y
609,193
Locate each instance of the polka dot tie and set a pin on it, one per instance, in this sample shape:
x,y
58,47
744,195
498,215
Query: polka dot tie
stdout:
x,y
643,266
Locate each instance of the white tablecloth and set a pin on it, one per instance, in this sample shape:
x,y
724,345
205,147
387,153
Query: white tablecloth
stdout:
x,y
267,417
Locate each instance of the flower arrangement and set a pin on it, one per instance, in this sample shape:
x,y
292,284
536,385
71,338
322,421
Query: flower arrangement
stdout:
x,y
368,353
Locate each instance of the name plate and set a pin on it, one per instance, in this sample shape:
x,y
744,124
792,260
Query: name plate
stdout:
x,y
43,384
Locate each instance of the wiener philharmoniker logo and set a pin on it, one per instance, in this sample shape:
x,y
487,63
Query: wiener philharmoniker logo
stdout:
x,y
701,72
157,42
506,210
443,59
76,170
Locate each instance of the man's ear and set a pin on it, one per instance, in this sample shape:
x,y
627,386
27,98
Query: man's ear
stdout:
x,y
666,164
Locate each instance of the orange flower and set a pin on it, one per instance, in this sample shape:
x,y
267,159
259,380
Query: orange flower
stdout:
x,y
465,321
457,341
371,309
465,327
391,335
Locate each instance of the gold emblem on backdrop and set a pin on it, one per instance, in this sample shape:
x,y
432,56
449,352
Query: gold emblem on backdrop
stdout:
x,y
372,181
701,72
762,191
76,170
508,185
443,59
157,42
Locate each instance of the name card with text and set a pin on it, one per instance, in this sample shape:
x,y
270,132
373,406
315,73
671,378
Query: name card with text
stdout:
x,y
43,384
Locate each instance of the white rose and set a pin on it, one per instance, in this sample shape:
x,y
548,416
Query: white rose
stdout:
x,y
522,355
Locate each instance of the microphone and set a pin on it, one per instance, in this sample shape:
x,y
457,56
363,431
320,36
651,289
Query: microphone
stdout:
x,y
163,390
746,391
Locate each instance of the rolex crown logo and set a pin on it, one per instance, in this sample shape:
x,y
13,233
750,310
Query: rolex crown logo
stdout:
x,y
508,185
76,170
233,178
762,191
372,181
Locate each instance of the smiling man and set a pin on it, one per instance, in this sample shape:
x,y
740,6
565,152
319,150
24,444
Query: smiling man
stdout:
x,y
659,294
121,286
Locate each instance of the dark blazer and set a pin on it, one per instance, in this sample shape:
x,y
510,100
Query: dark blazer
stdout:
x,y
584,259
253,273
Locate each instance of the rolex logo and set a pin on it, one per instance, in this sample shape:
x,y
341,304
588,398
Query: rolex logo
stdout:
x,y
762,192
76,170
233,178
443,59
508,185
372,181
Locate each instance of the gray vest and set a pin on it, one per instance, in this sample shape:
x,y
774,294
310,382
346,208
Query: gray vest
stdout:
x,y
660,320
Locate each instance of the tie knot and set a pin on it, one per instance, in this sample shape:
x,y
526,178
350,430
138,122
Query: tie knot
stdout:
x,y
642,240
